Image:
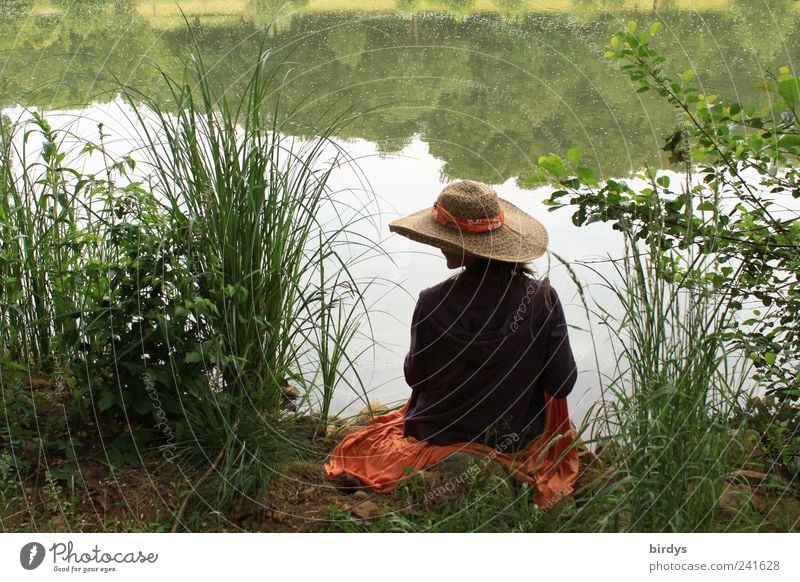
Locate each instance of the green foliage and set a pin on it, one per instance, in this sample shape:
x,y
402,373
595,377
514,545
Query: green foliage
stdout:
x,y
138,348
94,284
482,502
250,200
672,392
740,162
180,303
777,425
699,251
40,256
15,9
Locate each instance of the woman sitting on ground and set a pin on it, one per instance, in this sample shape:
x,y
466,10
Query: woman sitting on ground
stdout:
x,y
489,365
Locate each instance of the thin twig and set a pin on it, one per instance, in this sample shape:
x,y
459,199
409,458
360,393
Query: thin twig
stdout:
x,y
205,476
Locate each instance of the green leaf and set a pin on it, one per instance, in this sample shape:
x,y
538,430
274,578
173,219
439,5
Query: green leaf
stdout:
x,y
554,165
106,401
574,156
688,75
766,85
538,178
631,26
655,28
789,89
587,176
770,357
789,140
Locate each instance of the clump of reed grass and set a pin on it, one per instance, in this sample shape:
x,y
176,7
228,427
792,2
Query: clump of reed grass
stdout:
x,y
41,243
667,406
249,198
211,281
253,203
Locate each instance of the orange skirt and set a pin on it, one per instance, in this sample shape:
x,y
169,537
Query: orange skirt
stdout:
x,y
382,458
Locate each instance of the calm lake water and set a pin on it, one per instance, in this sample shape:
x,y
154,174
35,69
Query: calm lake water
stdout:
x,y
434,96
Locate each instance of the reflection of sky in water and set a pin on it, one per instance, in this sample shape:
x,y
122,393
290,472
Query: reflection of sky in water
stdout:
x,y
400,183
410,181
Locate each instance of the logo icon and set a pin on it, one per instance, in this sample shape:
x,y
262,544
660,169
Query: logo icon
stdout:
x,y
31,555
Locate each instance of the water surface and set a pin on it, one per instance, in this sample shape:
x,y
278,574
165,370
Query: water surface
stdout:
x,y
472,90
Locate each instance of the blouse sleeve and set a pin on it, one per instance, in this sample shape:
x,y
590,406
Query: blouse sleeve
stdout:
x,y
414,367
560,371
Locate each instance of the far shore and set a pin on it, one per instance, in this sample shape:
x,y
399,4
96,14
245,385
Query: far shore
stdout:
x,y
165,11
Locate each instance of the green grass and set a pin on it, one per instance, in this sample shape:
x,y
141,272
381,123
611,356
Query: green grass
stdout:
x,y
251,201
485,502
40,255
215,274
666,422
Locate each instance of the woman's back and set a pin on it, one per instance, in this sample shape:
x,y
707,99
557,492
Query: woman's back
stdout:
x,y
485,345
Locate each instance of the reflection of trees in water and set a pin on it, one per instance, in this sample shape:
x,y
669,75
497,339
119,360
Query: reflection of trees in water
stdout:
x,y
406,5
665,5
598,4
91,8
348,43
458,6
273,6
12,9
762,27
511,4
487,95
269,12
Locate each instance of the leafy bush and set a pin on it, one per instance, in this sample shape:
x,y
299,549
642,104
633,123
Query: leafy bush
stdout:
x,y
737,159
698,252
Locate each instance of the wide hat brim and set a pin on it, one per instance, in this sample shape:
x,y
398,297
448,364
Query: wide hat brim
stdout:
x,y
522,238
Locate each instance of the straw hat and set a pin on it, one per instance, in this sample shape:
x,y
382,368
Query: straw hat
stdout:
x,y
469,216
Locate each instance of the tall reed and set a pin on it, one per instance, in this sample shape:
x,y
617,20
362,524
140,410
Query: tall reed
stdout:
x,y
252,204
673,391
41,243
249,197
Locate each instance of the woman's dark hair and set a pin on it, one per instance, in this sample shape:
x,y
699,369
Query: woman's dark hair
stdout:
x,y
488,265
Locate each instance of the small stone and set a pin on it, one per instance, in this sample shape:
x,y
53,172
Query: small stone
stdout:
x,y
360,495
307,493
291,392
331,430
735,497
375,408
277,516
366,510
39,384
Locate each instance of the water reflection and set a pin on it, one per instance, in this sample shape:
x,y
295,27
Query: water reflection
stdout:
x,y
431,97
488,94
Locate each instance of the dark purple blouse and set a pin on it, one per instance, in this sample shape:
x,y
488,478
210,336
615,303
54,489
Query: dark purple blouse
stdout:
x,y
485,345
